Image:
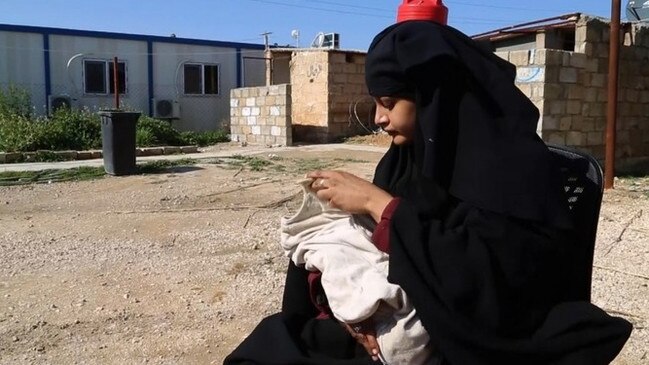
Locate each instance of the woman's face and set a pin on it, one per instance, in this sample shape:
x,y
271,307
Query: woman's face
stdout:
x,y
396,116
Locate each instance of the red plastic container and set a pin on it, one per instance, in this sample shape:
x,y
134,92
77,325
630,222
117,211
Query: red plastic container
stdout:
x,y
431,10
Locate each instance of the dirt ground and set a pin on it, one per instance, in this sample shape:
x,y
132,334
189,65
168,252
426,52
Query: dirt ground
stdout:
x,y
178,267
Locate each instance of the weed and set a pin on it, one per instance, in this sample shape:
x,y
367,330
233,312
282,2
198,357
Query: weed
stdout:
x,y
82,173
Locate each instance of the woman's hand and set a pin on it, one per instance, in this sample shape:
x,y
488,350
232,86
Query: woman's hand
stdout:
x,y
365,334
350,193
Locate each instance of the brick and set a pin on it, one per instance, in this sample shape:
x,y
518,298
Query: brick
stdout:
x,y
519,58
576,92
171,150
554,91
503,55
588,125
565,123
568,75
556,107
598,80
189,149
574,138
275,131
573,107
578,60
554,57
580,34
558,138
594,138
590,95
550,123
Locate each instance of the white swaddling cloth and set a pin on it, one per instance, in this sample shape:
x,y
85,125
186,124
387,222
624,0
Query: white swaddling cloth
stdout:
x,y
354,277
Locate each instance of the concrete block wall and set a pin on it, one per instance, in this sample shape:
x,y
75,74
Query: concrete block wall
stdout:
x,y
350,105
330,99
570,90
261,115
310,83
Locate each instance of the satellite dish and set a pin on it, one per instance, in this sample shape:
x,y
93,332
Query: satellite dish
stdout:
x,y
295,34
318,41
637,10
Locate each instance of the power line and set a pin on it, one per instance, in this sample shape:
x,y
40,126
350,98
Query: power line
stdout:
x,y
463,19
353,6
499,7
322,9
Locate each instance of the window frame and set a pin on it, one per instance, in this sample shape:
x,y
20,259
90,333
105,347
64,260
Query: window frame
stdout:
x,y
202,80
106,76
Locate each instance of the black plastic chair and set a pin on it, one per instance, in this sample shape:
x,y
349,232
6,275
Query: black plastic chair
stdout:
x,y
584,186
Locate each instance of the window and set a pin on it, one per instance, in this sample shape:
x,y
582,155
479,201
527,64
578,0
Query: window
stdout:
x,y
201,79
99,77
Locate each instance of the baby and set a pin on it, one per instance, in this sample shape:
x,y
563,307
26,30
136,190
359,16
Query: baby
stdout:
x,y
354,277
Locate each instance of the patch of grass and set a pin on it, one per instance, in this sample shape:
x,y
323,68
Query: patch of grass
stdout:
x,y
254,163
159,166
303,165
350,160
82,173
9,178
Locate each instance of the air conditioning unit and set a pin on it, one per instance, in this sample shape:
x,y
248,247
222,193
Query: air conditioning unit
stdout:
x,y
331,40
166,109
326,40
56,102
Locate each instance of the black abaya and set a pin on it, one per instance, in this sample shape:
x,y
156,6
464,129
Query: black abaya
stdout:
x,y
481,239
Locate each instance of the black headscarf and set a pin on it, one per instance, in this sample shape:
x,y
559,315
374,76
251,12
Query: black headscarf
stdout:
x,y
476,130
481,241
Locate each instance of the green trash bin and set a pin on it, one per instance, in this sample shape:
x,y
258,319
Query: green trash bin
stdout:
x,y
118,141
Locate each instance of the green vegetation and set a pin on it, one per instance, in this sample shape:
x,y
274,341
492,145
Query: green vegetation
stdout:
x,y
79,129
84,173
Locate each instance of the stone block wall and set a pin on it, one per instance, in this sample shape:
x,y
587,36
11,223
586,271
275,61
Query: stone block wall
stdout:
x,y
350,106
310,82
330,99
571,91
261,115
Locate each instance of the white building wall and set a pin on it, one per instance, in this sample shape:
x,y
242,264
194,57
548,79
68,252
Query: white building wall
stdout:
x,y
198,112
69,80
22,65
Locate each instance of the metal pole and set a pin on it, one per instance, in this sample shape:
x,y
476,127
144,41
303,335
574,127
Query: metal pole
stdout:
x,y
611,115
116,82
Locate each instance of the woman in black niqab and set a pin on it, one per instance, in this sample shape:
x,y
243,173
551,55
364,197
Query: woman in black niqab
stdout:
x,y
481,239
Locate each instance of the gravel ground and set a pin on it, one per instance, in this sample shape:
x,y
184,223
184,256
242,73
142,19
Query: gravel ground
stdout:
x,y
178,267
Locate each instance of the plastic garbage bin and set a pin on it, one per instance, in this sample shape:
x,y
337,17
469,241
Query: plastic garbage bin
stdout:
x,y
118,141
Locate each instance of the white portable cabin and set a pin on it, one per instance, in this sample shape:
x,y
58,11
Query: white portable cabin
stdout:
x,y
185,81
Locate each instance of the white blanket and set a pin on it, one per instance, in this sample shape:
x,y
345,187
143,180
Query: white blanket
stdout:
x,y
354,277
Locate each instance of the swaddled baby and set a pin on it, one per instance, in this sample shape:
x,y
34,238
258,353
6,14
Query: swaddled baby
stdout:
x,y
354,276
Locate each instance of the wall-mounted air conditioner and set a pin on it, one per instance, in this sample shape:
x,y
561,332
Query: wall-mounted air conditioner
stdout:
x,y
56,102
166,108
331,40
326,40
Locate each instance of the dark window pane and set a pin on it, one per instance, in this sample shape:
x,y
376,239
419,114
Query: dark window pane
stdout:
x,y
95,77
211,78
193,79
121,76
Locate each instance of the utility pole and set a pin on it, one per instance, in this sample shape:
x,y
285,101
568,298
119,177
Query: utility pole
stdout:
x,y
611,114
266,43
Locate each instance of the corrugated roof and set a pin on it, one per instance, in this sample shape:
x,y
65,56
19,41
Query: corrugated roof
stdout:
x,y
561,21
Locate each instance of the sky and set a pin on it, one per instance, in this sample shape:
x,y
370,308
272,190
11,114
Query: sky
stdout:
x,y
357,21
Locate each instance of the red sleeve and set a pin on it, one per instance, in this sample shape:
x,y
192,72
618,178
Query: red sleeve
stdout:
x,y
381,235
